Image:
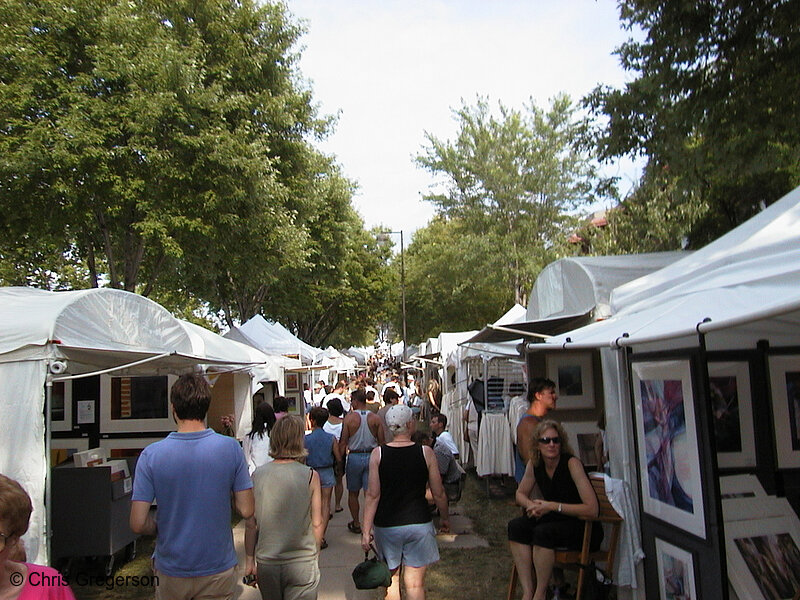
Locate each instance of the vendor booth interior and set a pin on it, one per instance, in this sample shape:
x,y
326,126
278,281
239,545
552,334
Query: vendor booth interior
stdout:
x,y
700,369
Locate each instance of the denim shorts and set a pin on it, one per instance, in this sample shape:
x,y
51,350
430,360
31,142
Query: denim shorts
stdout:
x,y
411,545
326,477
357,471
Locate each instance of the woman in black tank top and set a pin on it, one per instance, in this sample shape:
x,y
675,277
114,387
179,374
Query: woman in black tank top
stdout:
x,y
554,521
396,514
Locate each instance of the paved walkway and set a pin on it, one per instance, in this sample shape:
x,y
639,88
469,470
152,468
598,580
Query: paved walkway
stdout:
x,y
344,553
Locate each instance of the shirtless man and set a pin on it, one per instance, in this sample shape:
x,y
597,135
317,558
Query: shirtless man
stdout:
x,y
542,398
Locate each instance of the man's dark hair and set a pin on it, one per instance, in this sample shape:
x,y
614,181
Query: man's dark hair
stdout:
x,y
280,404
191,397
539,384
442,419
318,416
390,396
358,395
335,407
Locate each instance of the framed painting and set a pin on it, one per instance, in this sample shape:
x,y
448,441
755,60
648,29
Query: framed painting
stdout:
x,y
729,383
667,444
740,486
574,379
292,382
675,572
583,435
764,557
784,376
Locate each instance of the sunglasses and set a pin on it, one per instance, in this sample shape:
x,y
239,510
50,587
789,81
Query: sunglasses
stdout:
x,y
549,440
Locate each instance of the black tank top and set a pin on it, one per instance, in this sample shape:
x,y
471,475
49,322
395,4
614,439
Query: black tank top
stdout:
x,y
561,488
404,475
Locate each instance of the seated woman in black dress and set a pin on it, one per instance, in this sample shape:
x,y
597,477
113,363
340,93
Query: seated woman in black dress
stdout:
x,y
554,521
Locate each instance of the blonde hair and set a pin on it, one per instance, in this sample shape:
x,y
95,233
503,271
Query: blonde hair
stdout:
x,y
566,448
286,439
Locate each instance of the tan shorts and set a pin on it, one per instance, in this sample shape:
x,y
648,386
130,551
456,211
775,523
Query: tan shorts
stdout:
x,y
219,586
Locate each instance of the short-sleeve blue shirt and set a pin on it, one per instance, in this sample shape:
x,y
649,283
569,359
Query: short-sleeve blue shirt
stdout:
x,y
192,476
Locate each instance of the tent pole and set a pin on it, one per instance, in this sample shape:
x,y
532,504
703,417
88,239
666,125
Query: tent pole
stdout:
x,y
48,397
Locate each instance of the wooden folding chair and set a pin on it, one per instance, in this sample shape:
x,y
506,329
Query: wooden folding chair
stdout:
x,y
569,558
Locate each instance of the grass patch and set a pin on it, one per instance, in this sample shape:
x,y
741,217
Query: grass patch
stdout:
x,y
477,573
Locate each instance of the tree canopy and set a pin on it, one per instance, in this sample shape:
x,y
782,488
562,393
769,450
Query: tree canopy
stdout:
x,y
515,177
713,106
164,147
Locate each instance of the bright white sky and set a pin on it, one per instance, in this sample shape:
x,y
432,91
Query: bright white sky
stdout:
x,y
394,69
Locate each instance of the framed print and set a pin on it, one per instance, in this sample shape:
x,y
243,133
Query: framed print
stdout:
x,y
135,404
294,401
764,557
574,379
732,404
745,508
292,382
740,486
784,377
667,444
583,435
61,406
675,572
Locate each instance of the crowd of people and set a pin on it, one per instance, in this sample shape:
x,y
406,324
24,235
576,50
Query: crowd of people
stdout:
x,y
287,480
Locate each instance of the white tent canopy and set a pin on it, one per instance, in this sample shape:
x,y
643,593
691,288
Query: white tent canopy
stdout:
x,y
89,330
333,360
273,338
577,285
741,288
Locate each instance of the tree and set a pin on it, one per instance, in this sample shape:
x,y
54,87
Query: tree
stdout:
x,y
655,217
346,284
713,105
518,177
455,280
154,139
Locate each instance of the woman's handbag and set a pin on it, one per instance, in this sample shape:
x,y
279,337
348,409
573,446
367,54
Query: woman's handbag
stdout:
x,y
596,582
371,573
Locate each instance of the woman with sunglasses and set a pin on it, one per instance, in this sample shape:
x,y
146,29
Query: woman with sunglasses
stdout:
x,y
553,521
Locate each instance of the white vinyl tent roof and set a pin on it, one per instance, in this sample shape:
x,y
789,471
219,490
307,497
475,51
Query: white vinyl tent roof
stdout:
x,y
273,338
743,287
575,286
91,330
333,360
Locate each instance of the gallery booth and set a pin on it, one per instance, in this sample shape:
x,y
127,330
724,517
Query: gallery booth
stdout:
x,y
90,368
701,378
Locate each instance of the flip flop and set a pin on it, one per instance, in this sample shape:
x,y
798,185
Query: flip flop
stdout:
x,y
323,545
353,528
339,510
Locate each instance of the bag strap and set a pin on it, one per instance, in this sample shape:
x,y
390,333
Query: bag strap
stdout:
x,y
374,551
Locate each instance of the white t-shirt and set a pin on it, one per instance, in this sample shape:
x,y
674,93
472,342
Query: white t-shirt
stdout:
x,y
334,429
331,396
446,440
256,451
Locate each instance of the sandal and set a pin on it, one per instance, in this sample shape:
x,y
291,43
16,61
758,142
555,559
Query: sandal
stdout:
x,y
353,527
338,510
324,544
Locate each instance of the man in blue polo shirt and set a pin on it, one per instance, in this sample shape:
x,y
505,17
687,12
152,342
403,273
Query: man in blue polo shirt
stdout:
x,y
192,473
